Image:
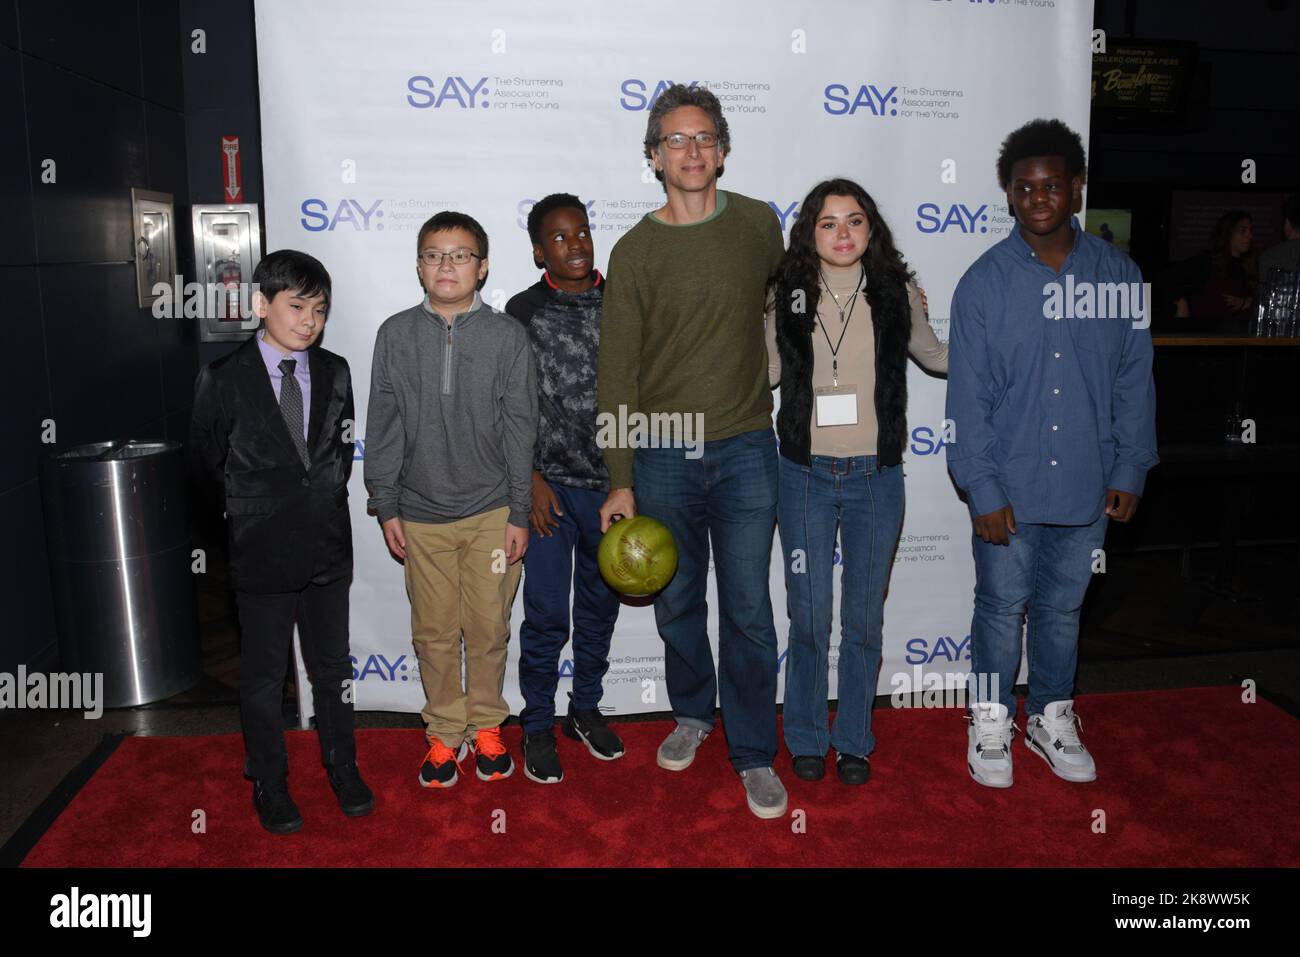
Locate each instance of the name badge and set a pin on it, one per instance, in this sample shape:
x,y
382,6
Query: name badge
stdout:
x,y
836,405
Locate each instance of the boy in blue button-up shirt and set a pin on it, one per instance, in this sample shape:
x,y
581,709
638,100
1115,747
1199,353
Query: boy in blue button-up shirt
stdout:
x,y
1053,409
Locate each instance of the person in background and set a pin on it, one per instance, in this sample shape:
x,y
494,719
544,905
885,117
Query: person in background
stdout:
x,y
843,317
1286,254
1222,282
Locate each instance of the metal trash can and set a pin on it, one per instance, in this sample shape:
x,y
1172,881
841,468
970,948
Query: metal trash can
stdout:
x,y
118,534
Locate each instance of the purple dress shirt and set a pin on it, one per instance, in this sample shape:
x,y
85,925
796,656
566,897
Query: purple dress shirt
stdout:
x,y
302,372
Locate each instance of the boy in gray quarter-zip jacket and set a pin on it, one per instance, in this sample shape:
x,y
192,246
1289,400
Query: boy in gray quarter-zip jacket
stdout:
x,y
449,463
452,417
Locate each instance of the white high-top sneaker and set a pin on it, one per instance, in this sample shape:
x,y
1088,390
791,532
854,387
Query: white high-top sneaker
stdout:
x,y
1054,736
988,745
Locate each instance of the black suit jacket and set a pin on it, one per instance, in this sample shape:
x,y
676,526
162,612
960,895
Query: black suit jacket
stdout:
x,y
288,525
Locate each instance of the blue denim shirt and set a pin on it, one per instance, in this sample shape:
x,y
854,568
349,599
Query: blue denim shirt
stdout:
x,y
1049,408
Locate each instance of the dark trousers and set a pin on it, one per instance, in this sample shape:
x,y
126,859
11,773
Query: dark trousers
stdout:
x,y
551,563
266,622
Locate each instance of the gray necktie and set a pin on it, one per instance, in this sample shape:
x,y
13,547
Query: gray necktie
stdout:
x,y
291,408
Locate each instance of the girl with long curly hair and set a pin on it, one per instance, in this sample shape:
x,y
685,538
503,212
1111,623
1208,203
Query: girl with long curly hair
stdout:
x,y
844,313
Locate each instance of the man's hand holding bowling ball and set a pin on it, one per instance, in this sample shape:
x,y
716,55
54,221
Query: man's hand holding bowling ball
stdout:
x,y
620,502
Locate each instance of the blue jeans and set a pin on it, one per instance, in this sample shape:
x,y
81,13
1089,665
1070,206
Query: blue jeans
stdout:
x,y
867,507
551,563
1044,572
726,496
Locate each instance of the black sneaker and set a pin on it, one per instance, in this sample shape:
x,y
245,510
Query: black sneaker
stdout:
x,y
589,727
852,768
810,767
355,798
541,763
275,809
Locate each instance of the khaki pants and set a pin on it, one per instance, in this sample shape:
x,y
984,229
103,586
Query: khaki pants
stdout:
x,y
460,585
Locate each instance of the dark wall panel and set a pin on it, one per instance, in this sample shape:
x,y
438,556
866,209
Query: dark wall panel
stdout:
x,y
18,237
1247,81
178,425
103,352
221,78
96,137
26,386
179,358
9,23
99,40
166,151
29,628
1243,24
161,47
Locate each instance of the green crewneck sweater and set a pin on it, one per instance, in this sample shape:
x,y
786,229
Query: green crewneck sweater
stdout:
x,y
682,325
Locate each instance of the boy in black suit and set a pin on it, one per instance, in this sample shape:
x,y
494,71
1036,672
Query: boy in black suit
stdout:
x,y
272,435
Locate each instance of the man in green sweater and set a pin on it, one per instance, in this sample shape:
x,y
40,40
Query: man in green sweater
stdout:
x,y
681,337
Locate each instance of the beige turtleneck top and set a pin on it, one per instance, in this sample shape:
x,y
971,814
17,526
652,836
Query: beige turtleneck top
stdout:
x,y
857,359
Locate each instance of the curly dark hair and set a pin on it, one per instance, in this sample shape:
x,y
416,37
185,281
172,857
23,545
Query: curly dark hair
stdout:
x,y
547,205
800,267
1042,138
675,97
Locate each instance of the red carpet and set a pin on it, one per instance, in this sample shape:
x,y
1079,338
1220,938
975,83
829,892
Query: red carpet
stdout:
x,y
1187,778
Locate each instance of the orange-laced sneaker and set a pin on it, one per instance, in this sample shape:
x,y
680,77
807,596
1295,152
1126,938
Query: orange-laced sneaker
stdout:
x,y
440,765
493,762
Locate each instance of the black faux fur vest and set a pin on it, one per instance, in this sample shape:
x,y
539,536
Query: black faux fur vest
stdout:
x,y
892,326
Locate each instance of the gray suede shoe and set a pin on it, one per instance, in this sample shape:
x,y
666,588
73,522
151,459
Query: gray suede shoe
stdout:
x,y
678,750
765,792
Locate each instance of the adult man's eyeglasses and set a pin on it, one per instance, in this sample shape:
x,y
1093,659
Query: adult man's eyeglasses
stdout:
x,y
678,141
433,257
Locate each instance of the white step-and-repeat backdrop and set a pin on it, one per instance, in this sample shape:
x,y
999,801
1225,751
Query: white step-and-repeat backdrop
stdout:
x,y
376,116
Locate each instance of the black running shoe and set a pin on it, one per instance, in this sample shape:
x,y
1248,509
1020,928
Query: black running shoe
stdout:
x,y
589,727
541,762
